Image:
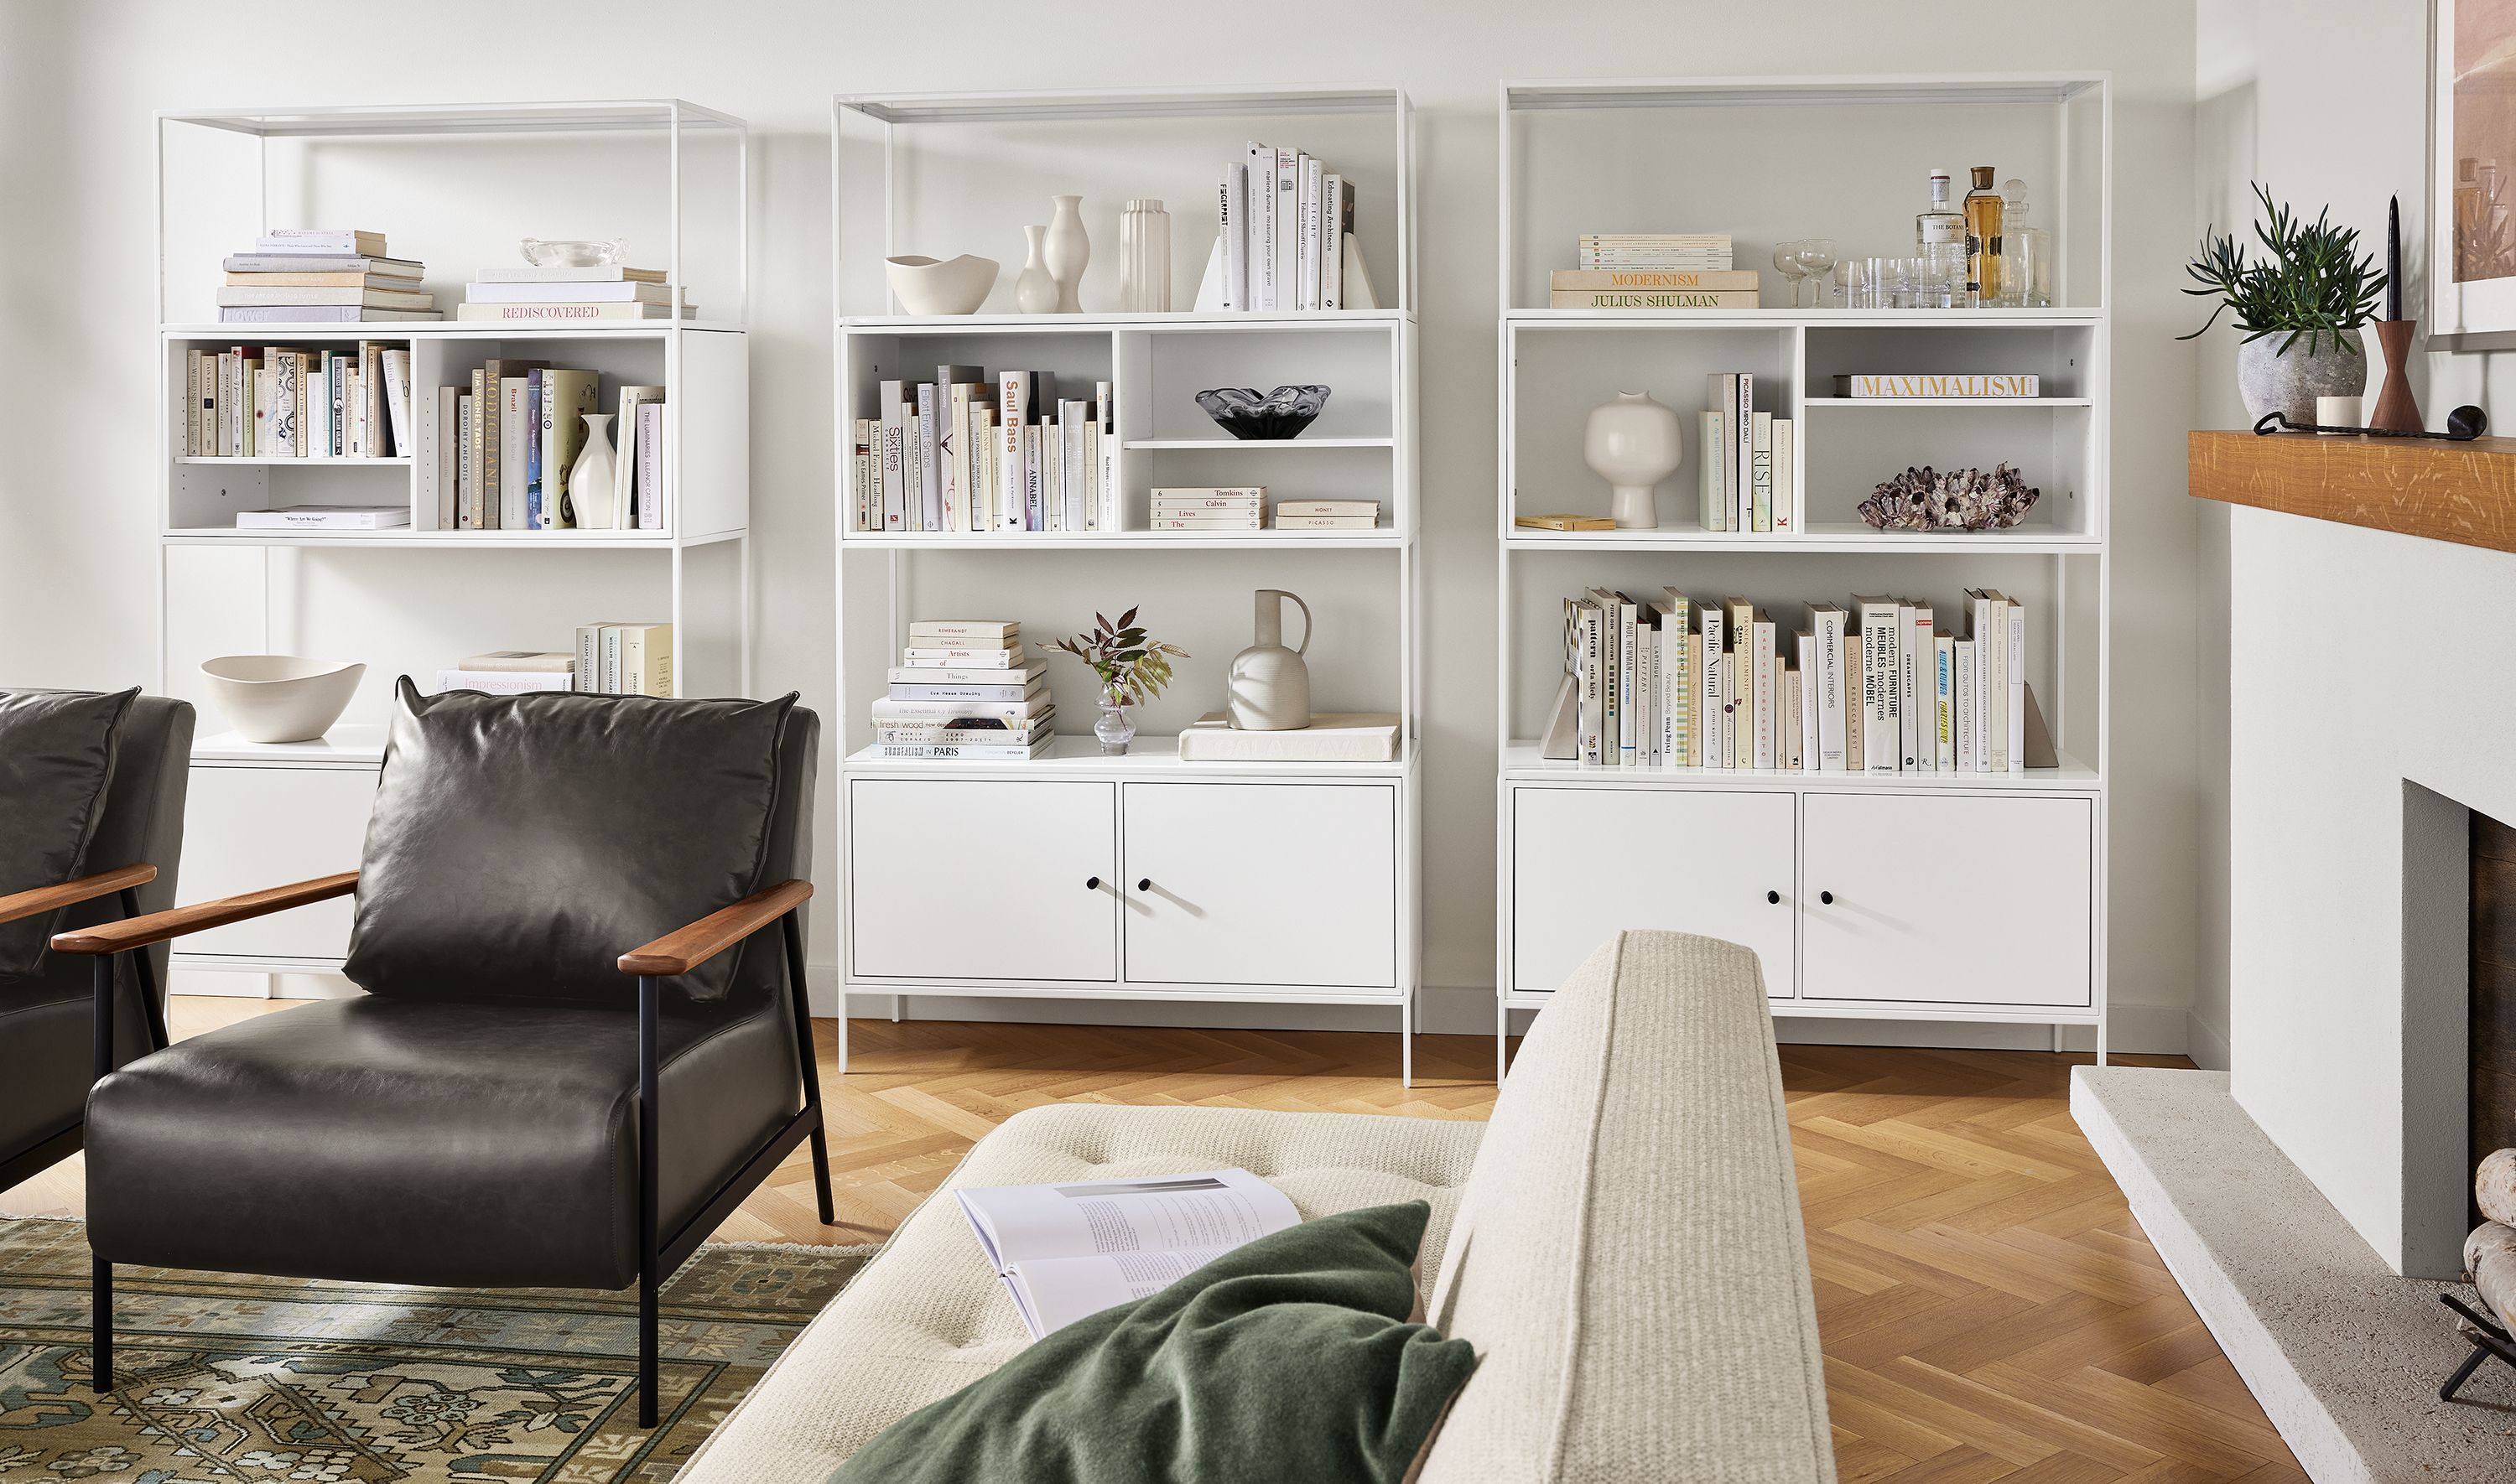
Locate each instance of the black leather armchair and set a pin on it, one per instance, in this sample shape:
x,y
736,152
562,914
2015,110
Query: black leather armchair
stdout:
x,y
48,1051
525,1097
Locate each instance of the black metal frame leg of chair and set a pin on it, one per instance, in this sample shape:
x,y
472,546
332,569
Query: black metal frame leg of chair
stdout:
x,y
807,1061
650,1130
100,1291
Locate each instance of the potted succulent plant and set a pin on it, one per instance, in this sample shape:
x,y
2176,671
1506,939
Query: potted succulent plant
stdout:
x,y
1133,668
2300,308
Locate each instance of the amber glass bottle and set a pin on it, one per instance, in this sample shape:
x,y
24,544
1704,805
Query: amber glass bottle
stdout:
x,y
1982,240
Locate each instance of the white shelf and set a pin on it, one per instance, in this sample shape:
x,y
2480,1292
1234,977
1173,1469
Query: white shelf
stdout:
x,y
1948,401
1078,754
1105,323
2031,89
1141,541
1046,105
345,461
1522,762
406,538
1815,320
1825,538
627,115
444,329
1253,444
348,744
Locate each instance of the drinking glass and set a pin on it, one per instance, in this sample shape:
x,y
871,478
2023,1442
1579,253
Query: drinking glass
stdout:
x,y
1816,257
1851,285
1878,282
1786,262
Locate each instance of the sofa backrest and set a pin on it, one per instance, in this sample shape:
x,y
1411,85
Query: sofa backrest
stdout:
x,y
1627,1258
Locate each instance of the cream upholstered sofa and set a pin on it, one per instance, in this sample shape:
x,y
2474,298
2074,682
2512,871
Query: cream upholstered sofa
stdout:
x,y
1621,1242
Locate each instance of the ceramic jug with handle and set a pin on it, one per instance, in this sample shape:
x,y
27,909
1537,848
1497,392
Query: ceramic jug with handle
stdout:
x,y
1270,688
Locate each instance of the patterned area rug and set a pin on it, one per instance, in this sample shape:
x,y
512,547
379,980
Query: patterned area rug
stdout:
x,y
277,1380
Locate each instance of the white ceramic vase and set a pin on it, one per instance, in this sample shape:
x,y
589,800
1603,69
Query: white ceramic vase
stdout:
x,y
1270,688
1065,251
1634,444
590,491
1034,291
281,698
926,286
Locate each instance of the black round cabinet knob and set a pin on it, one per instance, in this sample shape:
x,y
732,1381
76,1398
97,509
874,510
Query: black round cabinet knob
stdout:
x,y
1145,885
1774,898
1826,897
1091,884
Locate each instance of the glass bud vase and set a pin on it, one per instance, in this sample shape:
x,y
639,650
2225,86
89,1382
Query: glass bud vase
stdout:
x,y
1145,257
1114,729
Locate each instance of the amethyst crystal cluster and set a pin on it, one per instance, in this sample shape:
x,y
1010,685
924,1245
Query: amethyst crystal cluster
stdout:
x,y
1961,500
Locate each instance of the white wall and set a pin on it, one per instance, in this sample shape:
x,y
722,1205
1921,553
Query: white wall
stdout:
x,y
75,487
2306,958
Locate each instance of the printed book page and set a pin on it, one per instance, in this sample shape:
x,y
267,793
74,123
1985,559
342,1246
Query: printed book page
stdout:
x,y
1070,1250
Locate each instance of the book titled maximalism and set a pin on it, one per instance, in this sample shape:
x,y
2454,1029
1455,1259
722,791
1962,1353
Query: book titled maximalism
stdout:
x,y
1890,388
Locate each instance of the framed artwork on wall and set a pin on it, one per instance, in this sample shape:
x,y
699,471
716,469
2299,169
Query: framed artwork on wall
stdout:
x,y
2472,168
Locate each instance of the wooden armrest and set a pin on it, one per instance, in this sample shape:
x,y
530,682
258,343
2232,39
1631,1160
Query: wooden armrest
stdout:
x,y
686,948
175,922
86,888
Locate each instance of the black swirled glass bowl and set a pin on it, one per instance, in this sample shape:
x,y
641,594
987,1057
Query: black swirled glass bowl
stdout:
x,y
1244,412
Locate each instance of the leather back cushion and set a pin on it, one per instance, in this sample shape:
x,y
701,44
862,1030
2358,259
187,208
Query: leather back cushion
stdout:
x,y
56,750
520,844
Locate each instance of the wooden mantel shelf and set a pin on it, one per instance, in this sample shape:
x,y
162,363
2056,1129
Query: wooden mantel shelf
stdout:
x,y
2460,492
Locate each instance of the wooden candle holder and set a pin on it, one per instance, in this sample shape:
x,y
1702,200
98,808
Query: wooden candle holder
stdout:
x,y
2396,411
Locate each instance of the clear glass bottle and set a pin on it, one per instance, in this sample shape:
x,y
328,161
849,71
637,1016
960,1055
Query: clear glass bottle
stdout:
x,y
2026,253
1939,236
1145,257
1983,241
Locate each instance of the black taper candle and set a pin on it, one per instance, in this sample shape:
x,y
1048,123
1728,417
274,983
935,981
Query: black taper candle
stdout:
x,y
2394,258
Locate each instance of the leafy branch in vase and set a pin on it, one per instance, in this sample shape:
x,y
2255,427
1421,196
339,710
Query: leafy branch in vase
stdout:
x,y
1133,668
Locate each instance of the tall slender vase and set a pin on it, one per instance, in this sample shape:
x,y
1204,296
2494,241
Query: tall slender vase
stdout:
x,y
2396,411
590,491
1034,291
1067,251
1145,257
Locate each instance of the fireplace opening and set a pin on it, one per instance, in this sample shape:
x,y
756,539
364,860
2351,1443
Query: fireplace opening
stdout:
x,y
2491,1043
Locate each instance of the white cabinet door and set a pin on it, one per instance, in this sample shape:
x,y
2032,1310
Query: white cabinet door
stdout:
x,y
981,880
1948,900
1587,863
249,828
1262,883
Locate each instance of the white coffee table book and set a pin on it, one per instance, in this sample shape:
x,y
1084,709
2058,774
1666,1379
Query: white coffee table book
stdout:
x,y
1333,737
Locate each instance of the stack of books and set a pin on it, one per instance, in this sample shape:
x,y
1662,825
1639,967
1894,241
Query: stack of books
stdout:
x,y
962,689
569,295
283,402
1284,236
512,671
1876,687
508,447
1702,252
623,659
1210,507
1749,460
1327,515
322,276
986,453
1651,288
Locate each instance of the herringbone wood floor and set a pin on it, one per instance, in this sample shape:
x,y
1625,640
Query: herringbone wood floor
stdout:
x,y
1989,1308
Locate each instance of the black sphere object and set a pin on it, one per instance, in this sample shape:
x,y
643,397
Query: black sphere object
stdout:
x,y
2467,422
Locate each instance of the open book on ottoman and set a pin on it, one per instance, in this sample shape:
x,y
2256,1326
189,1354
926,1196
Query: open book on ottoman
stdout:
x,y
1071,1250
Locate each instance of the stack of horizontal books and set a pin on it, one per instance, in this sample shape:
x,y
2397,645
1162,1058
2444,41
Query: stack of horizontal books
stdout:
x,y
962,689
1653,271
512,671
323,275
569,295
1327,515
1210,507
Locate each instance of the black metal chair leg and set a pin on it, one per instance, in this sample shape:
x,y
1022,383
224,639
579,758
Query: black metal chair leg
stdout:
x,y
100,1299
650,1131
2464,1373
791,928
144,971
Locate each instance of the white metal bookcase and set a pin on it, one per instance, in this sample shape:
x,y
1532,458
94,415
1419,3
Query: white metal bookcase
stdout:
x,y
1153,361
1745,854
703,365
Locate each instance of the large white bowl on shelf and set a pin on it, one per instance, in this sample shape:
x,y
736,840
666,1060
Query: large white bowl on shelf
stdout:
x,y
927,286
281,697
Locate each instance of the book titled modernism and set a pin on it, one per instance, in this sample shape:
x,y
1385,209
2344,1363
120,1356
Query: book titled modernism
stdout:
x,y
1066,1251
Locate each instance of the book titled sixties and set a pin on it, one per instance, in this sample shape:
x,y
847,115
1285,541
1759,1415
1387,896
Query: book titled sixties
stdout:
x,y
328,518
1893,388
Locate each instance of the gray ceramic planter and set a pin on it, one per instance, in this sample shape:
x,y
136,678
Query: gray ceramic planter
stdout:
x,y
2271,381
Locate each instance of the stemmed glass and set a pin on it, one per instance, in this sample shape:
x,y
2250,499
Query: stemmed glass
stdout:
x,y
1816,257
1786,262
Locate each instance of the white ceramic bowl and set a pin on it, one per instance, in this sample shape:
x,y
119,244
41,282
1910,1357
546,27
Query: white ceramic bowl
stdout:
x,y
926,286
281,697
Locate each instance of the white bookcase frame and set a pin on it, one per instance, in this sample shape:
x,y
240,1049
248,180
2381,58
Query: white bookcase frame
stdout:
x,y
1829,553
702,364
1141,355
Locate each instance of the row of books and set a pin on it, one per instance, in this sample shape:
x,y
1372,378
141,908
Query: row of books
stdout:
x,y
610,659
1748,460
962,689
323,275
1651,288
515,436
1877,686
286,403
973,452
1243,507
1703,252
569,295
1284,222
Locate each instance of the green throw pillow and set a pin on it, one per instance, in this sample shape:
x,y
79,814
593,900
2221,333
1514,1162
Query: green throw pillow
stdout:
x,y
1287,1361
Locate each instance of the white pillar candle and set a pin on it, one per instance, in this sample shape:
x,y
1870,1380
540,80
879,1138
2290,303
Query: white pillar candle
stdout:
x,y
2337,412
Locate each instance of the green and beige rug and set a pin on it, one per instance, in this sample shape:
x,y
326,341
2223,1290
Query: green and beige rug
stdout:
x,y
276,1380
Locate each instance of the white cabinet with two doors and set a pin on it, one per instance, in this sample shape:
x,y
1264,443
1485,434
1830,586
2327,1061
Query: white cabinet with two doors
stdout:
x,y
1931,903
1121,886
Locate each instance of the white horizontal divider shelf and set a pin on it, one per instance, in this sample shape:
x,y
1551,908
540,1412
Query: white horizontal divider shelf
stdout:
x,y
1864,894
1194,869
453,186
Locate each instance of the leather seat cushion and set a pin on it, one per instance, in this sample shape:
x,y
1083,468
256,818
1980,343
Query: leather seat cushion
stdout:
x,y
46,1051
400,1140
55,761
929,1316
521,843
